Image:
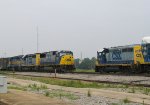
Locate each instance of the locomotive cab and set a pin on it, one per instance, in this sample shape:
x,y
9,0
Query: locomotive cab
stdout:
x,y
101,56
146,49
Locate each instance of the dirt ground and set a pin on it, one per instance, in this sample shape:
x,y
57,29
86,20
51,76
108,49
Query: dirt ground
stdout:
x,y
16,97
138,98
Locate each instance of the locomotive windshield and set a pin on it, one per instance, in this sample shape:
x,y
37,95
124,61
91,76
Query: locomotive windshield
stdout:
x,y
146,52
102,56
65,53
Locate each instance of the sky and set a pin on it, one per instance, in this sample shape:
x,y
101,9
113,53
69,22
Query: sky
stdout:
x,y
82,26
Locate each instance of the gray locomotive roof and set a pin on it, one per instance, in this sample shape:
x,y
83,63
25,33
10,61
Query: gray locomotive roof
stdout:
x,y
121,47
58,51
15,57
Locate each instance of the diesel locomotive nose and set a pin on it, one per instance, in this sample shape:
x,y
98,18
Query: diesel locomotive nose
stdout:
x,y
67,60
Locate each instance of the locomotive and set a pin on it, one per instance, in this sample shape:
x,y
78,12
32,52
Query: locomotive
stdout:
x,y
129,58
61,60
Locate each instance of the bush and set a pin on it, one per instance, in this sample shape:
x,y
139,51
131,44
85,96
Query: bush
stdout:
x,y
126,100
89,93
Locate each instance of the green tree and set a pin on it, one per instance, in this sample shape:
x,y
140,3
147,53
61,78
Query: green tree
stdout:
x,y
77,63
85,64
93,62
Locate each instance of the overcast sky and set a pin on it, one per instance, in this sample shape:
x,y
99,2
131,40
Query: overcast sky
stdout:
x,y
78,25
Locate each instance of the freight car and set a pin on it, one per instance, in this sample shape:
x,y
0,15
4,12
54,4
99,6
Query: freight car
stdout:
x,y
4,63
130,58
61,60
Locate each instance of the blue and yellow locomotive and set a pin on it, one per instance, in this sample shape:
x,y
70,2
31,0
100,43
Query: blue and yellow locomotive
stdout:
x,y
131,58
60,60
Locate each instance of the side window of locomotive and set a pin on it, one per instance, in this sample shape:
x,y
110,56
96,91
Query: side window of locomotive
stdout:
x,y
61,54
148,51
124,50
127,50
58,54
71,53
42,55
54,53
48,55
130,50
30,59
34,56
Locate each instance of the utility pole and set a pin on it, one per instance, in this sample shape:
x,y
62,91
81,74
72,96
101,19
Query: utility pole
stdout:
x,y
37,39
5,55
80,59
22,51
81,56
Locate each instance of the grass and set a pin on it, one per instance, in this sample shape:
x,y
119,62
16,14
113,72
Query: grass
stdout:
x,y
82,70
54,93
47,93
81,84
17,87
70,83
133,90
126,100
36,87
60,94
5,72
146,91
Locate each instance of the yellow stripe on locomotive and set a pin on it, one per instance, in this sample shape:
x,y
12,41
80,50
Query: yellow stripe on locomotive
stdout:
x,y
138,56
38,59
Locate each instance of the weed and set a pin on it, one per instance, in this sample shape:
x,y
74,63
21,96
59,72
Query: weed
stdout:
x,y
44,87
146,91
126,86
47,93
17,88
126,100
143,103
61,93
82,70
34,87
133,90
89,93
81,84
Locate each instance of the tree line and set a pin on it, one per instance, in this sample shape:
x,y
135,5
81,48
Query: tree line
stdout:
x,y
86,63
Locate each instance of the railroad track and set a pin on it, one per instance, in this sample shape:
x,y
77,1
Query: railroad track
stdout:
x,y
133,83
104,73
117,74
